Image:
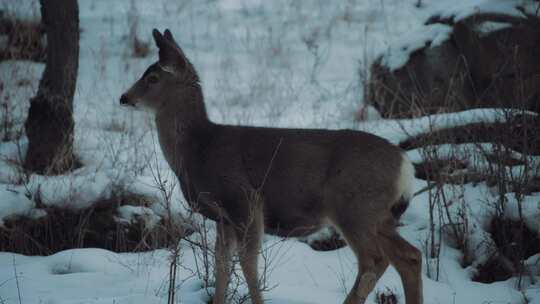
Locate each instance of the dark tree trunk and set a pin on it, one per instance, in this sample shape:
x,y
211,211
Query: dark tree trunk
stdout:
x,y
49,125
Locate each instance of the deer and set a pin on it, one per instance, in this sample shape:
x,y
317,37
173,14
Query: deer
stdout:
x,y
288,182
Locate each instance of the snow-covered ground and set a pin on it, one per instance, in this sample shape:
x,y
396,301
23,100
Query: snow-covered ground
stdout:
x,y
274,63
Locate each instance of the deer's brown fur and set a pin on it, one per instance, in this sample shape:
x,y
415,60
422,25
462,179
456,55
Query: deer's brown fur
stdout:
x,y
288,182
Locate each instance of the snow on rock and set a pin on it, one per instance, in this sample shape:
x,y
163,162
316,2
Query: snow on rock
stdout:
x,y
25,10
526,209
85,260
431,35
400,130
14,203
487,27
131,214
399,52
12,150
476,157
75,191
464,10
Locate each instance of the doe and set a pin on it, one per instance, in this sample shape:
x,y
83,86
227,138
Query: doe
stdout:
x,y
287,182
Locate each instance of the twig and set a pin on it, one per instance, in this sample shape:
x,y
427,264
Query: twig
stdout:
x,y
17,280
270,164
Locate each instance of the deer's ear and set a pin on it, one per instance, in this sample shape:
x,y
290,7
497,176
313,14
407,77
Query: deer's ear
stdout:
x,y
158,38
169,54
169,37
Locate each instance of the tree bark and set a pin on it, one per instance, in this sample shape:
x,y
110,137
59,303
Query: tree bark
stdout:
x,y
50,123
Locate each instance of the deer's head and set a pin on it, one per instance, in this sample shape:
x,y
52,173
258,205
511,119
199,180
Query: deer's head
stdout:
x,y
173,71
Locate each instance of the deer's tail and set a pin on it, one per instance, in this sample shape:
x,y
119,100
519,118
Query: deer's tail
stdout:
x,y
404,187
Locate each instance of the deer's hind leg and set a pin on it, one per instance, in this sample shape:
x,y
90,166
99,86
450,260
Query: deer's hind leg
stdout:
x,y
371,259
407,260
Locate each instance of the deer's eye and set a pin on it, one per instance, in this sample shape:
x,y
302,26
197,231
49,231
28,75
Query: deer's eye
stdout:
x,y
152,78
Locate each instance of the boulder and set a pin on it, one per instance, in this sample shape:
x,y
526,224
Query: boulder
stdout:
x,y
484,60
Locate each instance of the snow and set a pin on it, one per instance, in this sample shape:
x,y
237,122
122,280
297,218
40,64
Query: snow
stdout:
x,y
269,63
466,9
26,10
487,27
87,276
525,209
13,203
131,214
399,52
397,131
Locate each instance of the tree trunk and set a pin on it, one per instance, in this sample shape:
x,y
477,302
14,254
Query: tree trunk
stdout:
x,y
50,124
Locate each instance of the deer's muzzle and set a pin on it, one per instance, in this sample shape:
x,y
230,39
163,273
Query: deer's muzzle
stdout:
x,y
125,100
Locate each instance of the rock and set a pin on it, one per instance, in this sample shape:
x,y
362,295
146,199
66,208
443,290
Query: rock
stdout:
x,y
489,60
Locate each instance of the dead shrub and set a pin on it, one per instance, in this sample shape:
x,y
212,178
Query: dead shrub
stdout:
x,y
95,227
138,47
493,270
25,40
514,240
501,154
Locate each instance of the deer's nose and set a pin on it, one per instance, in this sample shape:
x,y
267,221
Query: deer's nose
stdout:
x,y
124,99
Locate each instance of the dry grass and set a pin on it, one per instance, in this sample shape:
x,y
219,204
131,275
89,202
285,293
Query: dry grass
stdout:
x,y
25,39
95,227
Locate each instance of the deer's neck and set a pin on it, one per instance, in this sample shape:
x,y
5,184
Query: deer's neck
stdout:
x,y
183,126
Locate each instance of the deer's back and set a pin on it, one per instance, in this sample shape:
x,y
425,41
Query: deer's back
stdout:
x,y
297,170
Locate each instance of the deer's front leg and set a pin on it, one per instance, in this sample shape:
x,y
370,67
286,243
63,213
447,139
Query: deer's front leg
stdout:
x,y
249,238
225,246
